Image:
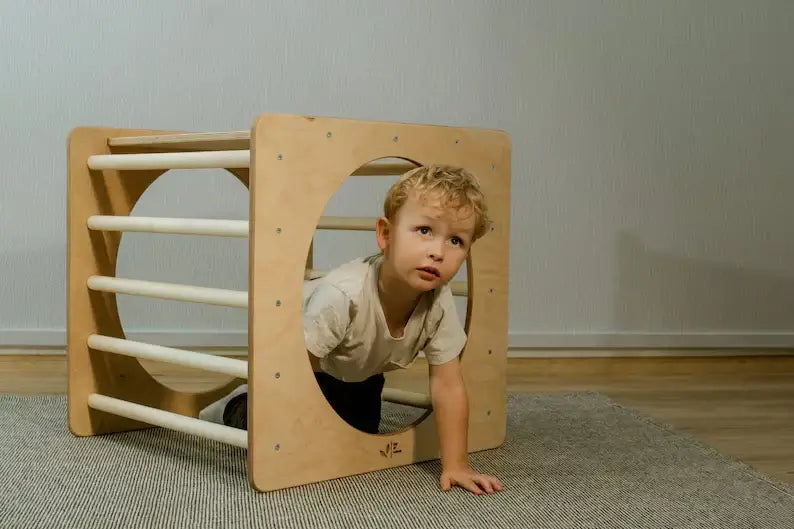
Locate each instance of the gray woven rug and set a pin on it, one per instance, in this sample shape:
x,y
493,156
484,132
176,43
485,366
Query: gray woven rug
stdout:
x,y
571,461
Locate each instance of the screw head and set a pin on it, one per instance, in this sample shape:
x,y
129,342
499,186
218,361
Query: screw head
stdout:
x,y
280,157
457,141
278,303
329,134
396,138
278,230
490,291
493,166
277,447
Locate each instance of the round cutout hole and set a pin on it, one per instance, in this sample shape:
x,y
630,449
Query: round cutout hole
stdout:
x,y
363,197
196,260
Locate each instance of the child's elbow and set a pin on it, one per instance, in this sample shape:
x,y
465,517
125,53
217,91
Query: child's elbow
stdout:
x,y
448,388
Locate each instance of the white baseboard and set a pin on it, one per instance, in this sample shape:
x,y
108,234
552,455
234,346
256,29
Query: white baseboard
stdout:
x,y
646,353
521,344
643,340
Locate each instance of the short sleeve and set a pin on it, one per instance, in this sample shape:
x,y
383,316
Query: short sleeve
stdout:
x,y
326,317
448,337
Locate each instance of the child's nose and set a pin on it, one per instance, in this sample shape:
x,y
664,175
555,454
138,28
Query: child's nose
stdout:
x,y
436,250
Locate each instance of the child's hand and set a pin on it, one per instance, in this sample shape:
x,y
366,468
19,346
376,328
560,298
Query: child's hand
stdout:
x,y
470,480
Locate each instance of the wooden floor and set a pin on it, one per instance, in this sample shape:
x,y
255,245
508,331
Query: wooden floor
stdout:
x,y
743,406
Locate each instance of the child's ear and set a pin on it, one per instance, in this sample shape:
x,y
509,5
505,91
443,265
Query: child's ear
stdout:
x,y
383,232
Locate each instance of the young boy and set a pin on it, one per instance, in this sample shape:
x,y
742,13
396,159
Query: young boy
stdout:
x,y
376,314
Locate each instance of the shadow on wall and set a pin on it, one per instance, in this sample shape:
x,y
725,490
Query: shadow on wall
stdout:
x,y
659,292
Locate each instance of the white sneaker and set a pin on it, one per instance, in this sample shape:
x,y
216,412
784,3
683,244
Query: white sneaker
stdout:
x,y
214,412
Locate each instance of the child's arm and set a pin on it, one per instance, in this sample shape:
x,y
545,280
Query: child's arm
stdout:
x,y
451,408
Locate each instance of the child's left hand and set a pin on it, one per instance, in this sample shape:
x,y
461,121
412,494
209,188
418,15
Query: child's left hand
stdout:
x,y
470,480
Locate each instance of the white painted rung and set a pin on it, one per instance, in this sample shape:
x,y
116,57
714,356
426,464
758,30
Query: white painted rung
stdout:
x,y
221,228
137,287
167,419
236,159
409,398
207,362
229,159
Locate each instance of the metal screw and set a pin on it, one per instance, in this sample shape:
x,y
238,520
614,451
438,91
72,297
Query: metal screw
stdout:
x,y
396,138
493,166
280,157
328,134
277,447
457,141
278,303
278,230
490,351
488,412
490,291
278,375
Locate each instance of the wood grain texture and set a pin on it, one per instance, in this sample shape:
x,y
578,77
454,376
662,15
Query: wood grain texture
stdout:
x,y
297,164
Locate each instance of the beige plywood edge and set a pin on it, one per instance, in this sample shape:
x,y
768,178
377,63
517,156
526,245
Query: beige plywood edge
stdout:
x,y
294,435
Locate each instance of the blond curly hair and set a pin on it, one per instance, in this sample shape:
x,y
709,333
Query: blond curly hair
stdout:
x,y
453,187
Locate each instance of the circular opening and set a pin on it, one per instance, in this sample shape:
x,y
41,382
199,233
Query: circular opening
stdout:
x,y
196,260
335,249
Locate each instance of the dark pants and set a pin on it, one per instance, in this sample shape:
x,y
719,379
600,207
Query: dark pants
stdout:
x,y
358,403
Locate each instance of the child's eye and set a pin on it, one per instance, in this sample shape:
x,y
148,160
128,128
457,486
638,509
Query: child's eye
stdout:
x,y
457,241
424,230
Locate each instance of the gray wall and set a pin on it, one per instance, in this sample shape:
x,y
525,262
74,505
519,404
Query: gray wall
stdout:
x,y
653,169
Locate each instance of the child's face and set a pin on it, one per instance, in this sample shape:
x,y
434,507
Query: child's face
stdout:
x,y
427,244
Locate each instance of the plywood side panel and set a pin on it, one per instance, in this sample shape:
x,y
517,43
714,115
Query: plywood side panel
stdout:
x,y
297,164
93,252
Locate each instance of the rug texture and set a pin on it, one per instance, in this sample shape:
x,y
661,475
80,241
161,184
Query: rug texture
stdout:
x,y
569,461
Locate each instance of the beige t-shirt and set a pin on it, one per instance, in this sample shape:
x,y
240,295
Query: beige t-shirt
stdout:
x,y
344,325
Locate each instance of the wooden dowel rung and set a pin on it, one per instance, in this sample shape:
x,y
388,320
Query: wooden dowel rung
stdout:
x,y
207,362
384,168
311,273
409,398
230,159
167,419
203,141
459,288
171,160
221,228
347,223
195,294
